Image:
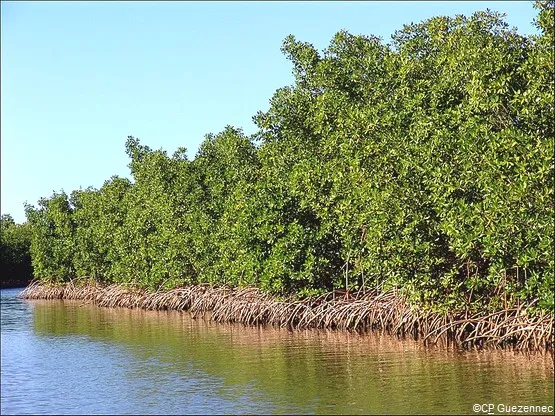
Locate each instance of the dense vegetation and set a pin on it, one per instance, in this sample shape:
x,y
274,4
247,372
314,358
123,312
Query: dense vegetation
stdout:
x,y
425,164
15,259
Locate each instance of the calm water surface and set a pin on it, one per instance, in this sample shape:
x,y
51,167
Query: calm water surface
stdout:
x,y
68,358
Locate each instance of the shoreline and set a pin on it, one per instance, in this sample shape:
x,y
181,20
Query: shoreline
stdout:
x,y
512,328
14,284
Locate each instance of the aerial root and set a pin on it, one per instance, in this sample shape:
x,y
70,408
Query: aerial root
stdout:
x,y
509,328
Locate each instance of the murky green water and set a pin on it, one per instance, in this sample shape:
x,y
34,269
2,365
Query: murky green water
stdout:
x,y
68,358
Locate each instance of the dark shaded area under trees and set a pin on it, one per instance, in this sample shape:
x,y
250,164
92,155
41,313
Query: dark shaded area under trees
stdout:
x,y
15,259
425,165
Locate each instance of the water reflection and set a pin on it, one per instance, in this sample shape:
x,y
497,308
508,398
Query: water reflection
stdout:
x,y
281,371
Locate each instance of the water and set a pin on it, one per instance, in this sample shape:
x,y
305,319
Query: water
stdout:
x,y
69,358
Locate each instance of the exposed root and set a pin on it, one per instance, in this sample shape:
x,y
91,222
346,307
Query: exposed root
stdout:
x,y
510,328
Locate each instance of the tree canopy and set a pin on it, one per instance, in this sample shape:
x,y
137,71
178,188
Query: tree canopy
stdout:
x,y
15,259
425,165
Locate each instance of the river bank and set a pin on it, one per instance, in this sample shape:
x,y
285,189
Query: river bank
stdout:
x,y
512,328
7,283
165,362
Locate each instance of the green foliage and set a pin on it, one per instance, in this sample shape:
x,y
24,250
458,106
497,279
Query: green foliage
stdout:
x,y
98,217
52,241
425,164
15,259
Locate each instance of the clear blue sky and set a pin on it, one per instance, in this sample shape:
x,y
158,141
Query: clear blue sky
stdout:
x,y
77,78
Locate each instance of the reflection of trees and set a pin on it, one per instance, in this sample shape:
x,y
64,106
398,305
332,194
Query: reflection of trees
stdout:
x,y
310,369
